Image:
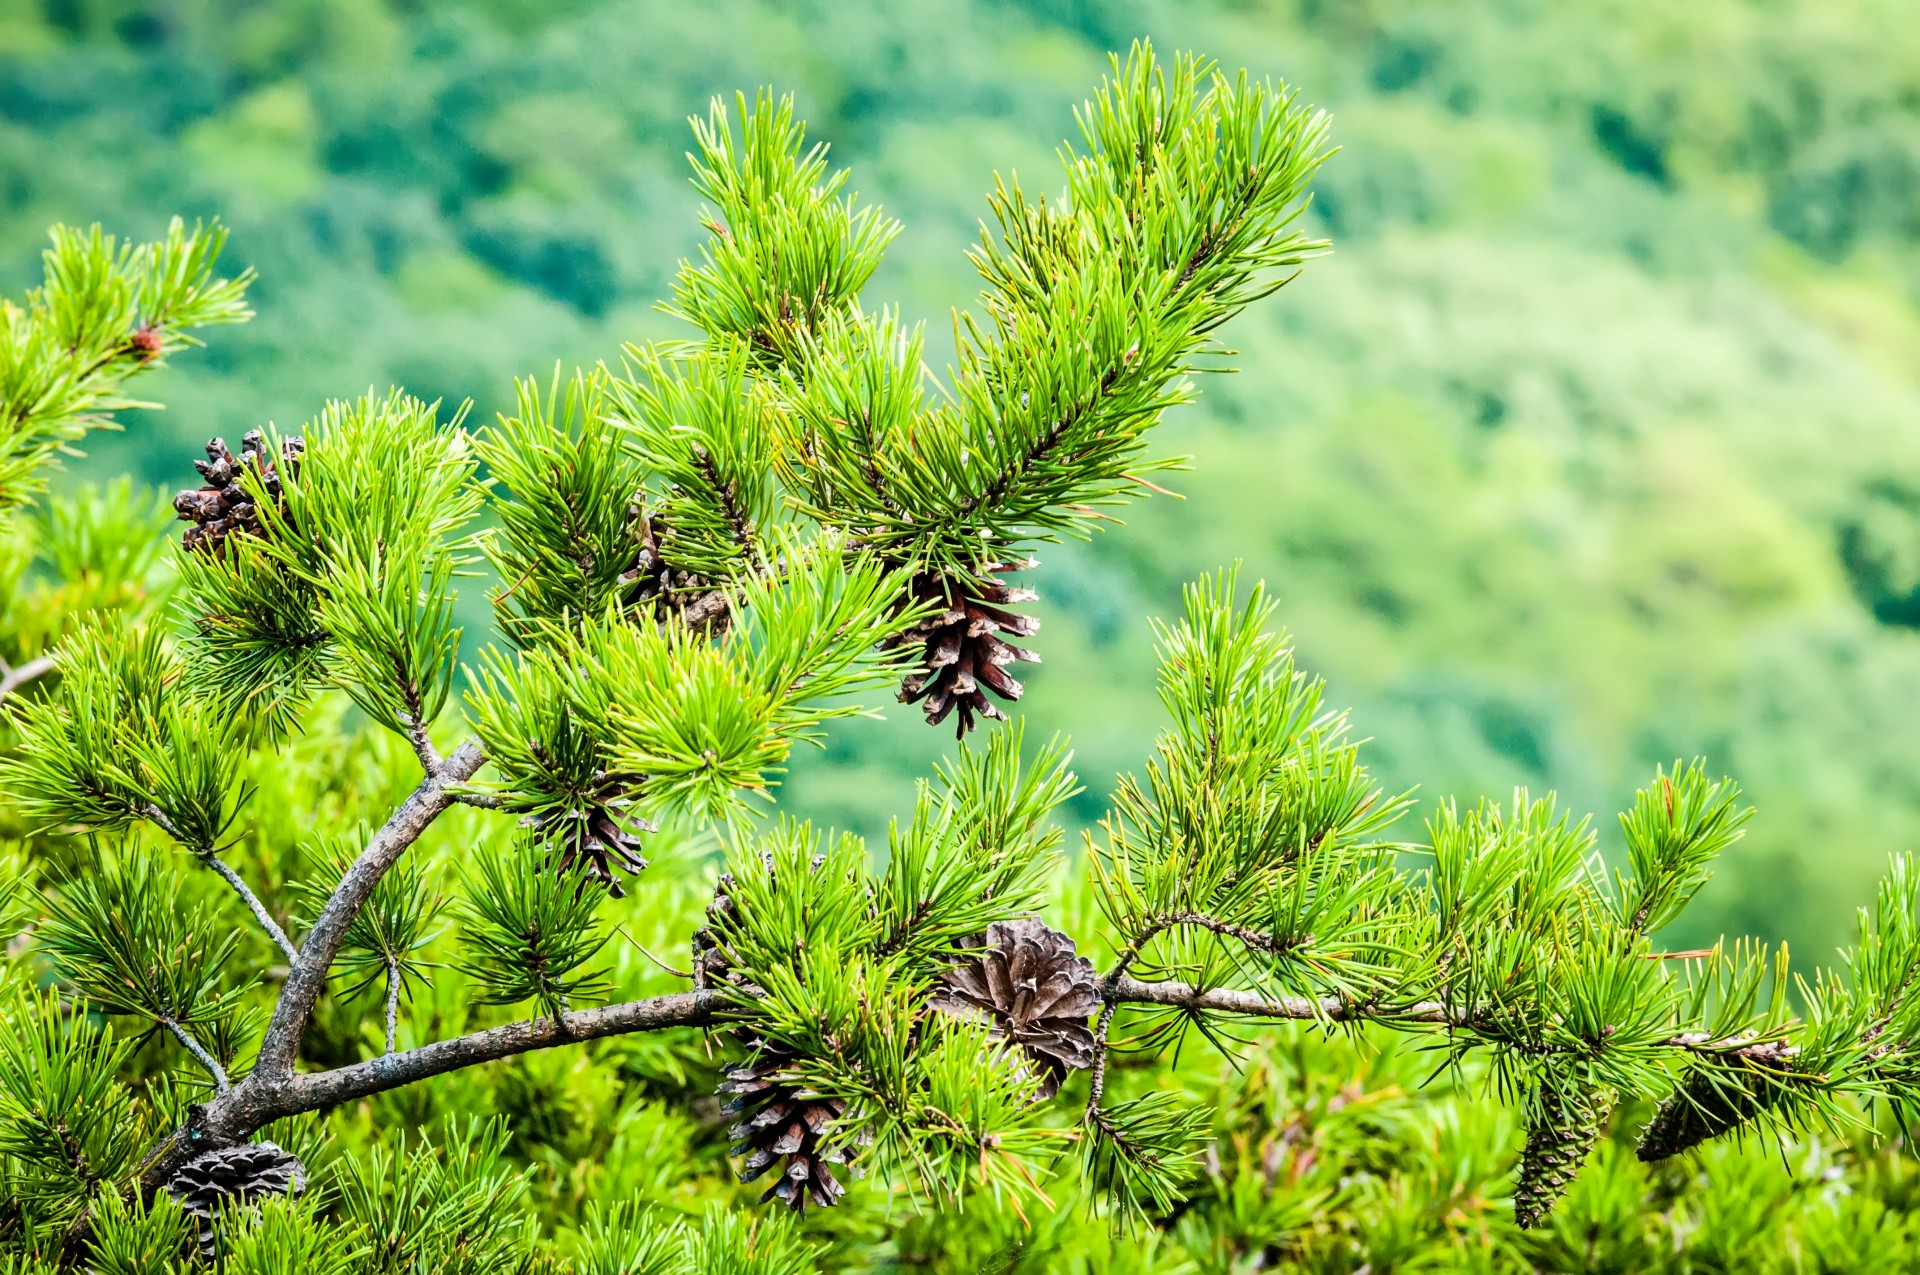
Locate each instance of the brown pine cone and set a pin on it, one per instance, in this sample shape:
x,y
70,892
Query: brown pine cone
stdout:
x,y
1028,983
782,1125
597,834
962,650
1710,1101
224,505
213,1180
712,967
665,591
1560,1136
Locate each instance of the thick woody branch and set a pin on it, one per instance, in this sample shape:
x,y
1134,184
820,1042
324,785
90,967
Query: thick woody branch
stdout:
x,y
309,973
260,1099
390,1071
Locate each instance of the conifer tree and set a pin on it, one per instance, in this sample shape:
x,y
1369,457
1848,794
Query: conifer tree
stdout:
x,y
708,552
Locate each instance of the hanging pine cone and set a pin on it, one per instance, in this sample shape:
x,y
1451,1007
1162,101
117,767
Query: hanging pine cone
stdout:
x,y
1560,1136
213,1180
962,650
224,505
1710,1101
597,833
1028,983
782,1126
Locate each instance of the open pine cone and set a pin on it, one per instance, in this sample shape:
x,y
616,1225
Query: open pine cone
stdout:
x,y
1560,1136
597,834
224,505
1708,1103
1028,983
213,1180
781,1125
963,653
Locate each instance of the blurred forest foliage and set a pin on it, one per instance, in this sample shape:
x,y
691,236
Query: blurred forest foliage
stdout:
x,y
1594,444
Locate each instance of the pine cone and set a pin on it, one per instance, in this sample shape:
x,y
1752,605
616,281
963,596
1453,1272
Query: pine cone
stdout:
x,y
1560,1136
963,652
666,591
146,343
1029,984
597,833
224,505
711,967
781,1124
1711,1101
213,1180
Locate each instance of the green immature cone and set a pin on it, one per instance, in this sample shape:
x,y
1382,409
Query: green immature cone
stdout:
x,y
1713,1100
1561,1132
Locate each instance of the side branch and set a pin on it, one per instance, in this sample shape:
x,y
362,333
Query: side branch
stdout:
x,y
309,973
15,678
254,905
1123,990
316,1090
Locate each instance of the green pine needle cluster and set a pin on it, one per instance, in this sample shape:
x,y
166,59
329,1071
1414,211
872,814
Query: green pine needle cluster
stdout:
x,y
1200,1032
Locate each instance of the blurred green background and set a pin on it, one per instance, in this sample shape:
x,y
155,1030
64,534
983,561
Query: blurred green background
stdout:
x,y
1594,444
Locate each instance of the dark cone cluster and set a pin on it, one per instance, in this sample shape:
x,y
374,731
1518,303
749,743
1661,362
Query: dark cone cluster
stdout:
x,y
780,1127
1560,1136
596,835
1028,983
1711,1101
213,1180
963,652
224,505
664,590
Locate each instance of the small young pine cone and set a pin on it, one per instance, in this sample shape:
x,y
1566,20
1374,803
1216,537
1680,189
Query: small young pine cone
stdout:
x,y
224,505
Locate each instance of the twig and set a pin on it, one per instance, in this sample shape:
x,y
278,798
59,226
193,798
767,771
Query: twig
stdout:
x,y
207,856
1122,990
393,1000
259,909
199,1052
309,973
13,679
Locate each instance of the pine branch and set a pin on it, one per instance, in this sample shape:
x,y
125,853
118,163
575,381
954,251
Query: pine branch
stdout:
x,y
262,1098
13,679
199,1051
315,1090
254,905
308,976
393,1000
